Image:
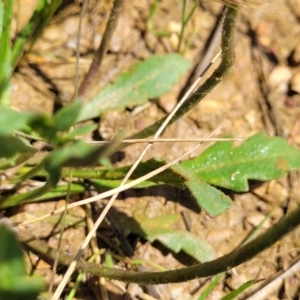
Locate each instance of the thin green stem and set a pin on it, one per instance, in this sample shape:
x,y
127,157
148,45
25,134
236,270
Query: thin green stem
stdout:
x,y
182,24
222,264
184,21
6,12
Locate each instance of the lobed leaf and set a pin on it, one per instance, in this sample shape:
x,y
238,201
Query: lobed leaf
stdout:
x,y
258,158
213,201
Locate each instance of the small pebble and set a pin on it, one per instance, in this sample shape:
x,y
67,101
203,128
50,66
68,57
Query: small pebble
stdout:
x,y
256,218
279,78
295,83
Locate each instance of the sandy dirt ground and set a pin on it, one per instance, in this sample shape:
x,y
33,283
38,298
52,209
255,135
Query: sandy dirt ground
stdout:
x,y
261,93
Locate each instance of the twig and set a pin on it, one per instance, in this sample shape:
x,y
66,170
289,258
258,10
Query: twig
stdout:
x,y
63,219
99,54
169,140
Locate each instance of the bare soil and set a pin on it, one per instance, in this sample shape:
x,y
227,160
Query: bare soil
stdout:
x,y
261,93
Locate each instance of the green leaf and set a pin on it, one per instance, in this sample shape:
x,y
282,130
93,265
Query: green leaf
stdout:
x,y
67,116
213,201
258,158
148,79
61,191
14,150
78,154
14,283
163,229
28,196
1,18
188,242
109,261
106,175
11,120
43,125
82,130
12,145
111,184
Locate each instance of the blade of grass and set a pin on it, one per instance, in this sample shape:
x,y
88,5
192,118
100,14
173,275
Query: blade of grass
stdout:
x,y
184,20
1,18
211,286
6,12
243,287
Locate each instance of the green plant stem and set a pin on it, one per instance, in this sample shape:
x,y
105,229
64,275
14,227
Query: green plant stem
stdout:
x,y
222,264
30,172
182,24
99,54
6,12
184,21
211,286
228,58
42,248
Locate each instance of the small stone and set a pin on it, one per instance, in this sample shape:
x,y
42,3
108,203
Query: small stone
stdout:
x,y
292,101
167,102
175,28
295,83
256,218
279,78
